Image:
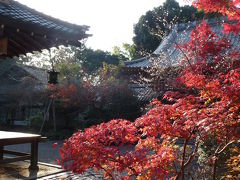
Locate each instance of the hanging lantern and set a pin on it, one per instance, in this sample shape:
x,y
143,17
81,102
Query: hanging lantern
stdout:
x,y
52,77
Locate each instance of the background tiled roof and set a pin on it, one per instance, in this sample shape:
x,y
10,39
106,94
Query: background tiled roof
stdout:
x,y
139,63
144,93
166,52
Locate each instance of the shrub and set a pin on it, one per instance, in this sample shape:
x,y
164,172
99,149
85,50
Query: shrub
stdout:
x,y
36,120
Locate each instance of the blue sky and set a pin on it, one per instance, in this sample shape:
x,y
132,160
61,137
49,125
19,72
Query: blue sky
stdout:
x,y
111,21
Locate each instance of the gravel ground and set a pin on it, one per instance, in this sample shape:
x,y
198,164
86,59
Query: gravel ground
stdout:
x,y
47,154
45,151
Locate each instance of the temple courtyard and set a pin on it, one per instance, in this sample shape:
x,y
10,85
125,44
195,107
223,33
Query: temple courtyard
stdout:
x,y
48,168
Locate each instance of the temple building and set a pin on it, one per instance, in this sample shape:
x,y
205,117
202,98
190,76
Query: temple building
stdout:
x,y
24,30
167,56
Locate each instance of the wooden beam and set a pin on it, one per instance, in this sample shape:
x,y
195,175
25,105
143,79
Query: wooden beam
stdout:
x,y
21,42
46,42
17,46
12,51
31,40
25,43
16,153
10,160
41,30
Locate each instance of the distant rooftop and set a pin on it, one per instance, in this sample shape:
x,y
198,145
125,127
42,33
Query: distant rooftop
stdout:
x,y
139,63
166,53
10,68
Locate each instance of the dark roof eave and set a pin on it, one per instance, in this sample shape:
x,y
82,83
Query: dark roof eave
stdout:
x,y
20,16
134,61
70,25
38,30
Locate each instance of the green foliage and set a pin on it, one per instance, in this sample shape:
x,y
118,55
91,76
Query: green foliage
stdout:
x,y
118,101
69,71
144,39
92,59
126,52
60,134
72,63
98,101
36,120
152,26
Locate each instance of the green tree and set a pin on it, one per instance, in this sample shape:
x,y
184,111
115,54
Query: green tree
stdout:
x,y
92,59
126,52
152,26
72,63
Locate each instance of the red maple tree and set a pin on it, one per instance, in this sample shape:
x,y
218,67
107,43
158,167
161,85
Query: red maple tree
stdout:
x,y
149,147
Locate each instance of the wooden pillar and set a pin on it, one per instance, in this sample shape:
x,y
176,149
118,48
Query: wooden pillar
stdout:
x,y
1,152
34,155
3,46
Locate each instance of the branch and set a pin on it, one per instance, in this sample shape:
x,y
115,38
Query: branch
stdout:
x,y
188,60
219,152
216,152
183,158
192,155
107,172
134,171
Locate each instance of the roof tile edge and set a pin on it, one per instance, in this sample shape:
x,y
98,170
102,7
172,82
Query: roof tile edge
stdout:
x,y
6,2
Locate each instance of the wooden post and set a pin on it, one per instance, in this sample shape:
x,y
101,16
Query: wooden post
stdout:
x,y
34,155
3,46
1,152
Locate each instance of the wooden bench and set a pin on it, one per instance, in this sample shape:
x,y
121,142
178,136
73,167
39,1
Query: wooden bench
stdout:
x,y
13,138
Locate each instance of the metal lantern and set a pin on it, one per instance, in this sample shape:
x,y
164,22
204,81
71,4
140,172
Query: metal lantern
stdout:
x,y
53,77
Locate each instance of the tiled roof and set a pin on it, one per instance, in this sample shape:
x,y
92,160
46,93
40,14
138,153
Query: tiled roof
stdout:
x,y
143,62
7,65
38,73
23,13
144,93
26,30
16,78
166,53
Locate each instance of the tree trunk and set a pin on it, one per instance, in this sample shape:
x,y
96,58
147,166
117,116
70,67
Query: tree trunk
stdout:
x,y
183,158
214,167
